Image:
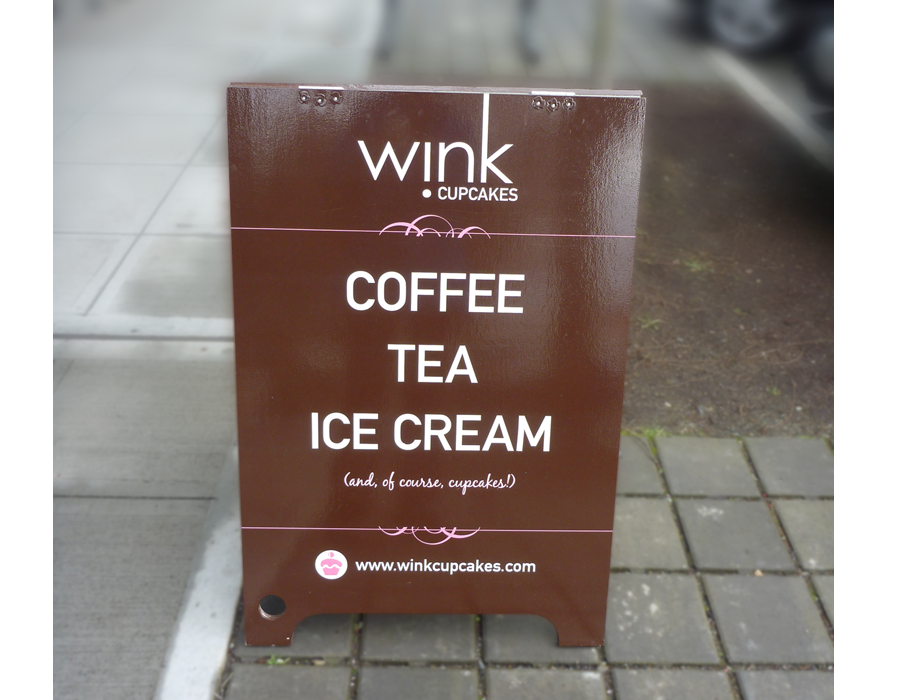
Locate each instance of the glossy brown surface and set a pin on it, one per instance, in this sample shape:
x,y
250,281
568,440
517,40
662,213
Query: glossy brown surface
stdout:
x,y
514,362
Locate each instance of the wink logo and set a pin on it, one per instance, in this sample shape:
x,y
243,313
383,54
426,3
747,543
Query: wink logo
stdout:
x,y
331,564
487,162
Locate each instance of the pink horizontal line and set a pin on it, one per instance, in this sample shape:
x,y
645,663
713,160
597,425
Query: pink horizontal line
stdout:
x,y
378,529
552,531
369,230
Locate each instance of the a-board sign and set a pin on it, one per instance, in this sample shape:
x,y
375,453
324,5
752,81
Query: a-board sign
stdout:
x,y
431,297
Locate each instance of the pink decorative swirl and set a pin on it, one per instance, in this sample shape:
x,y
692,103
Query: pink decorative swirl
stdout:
x,y
437,532
408,227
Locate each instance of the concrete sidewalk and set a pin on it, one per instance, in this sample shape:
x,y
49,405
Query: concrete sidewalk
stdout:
x,y
143,426
723,569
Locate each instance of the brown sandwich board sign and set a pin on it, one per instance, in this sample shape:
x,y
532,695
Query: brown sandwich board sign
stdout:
x,y
431,298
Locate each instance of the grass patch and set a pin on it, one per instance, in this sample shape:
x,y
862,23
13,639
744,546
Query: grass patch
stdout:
x,y
649,434
698,265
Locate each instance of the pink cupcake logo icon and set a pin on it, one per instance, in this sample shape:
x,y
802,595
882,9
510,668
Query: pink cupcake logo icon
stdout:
x,y
331,564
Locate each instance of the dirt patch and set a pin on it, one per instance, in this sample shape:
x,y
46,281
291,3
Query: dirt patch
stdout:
x,y
733,301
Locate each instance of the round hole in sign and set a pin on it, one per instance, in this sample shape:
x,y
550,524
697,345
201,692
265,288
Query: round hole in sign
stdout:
x,y
272,607
336,98
304,97
537,102
553,104
320,100
569,104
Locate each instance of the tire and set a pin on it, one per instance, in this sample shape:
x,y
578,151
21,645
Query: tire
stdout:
x,y
817,63
750,26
